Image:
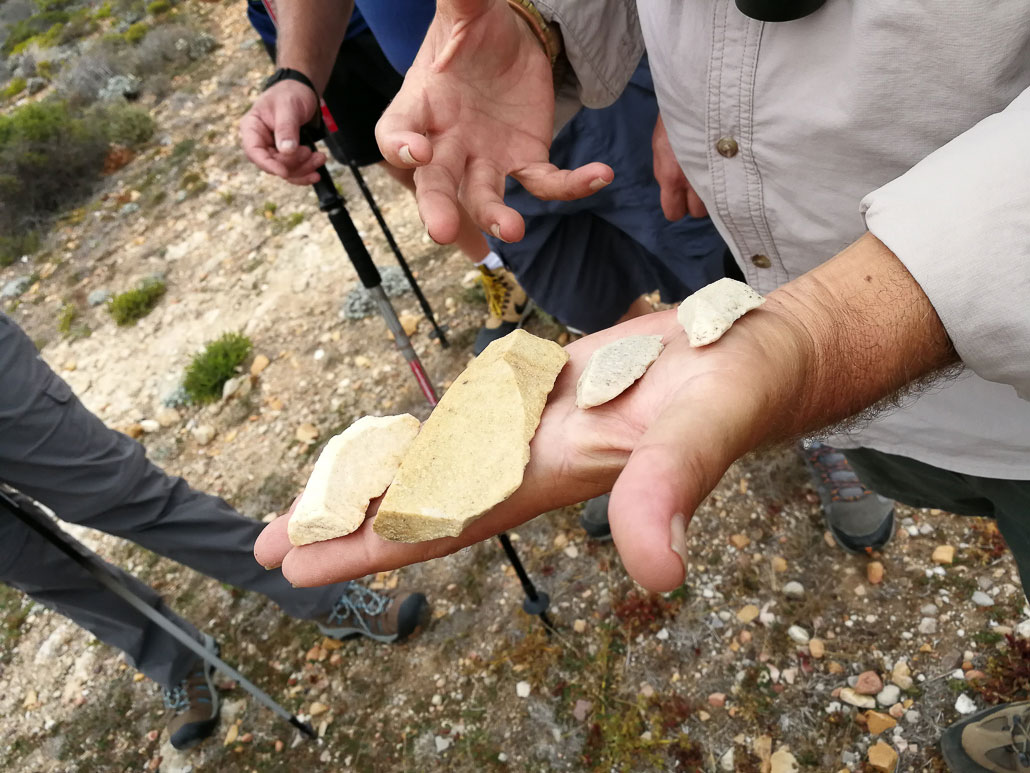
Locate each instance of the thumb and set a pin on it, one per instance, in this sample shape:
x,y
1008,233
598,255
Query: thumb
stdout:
x,y
287,127
678,461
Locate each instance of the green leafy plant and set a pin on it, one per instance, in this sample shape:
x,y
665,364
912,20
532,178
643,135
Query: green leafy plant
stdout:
x,y
15,87
135,33
158,7
66,318
208,371
129,307
13,247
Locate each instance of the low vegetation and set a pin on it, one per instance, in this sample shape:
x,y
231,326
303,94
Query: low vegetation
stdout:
x,y
209,370
129,307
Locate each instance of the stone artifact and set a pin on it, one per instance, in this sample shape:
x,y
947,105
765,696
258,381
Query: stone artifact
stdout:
x,y
472,451
354,468
614,368
713,309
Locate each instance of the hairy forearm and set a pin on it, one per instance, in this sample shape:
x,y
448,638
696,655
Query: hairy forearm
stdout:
x,y
861,332
310,33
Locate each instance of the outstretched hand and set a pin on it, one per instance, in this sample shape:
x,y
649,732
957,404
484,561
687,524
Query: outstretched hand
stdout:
x,y
478,104
663,445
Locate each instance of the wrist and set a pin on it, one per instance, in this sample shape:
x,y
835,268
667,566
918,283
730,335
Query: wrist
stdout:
x,y
545,33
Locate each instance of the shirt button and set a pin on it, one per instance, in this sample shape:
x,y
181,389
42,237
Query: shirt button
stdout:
x,y
761,261
727,147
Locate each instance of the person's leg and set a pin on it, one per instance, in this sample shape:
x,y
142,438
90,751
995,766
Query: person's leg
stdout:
x,y
49,577
54,450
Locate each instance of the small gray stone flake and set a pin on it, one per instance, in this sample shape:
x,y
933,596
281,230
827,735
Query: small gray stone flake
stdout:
x,y
98,297
614,368
981,599
16,287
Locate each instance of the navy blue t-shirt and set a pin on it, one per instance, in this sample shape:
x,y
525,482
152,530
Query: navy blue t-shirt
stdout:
x,y
262,22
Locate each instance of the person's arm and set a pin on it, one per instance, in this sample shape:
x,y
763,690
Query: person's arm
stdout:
x,y
959,221
843,337
478,104
310,34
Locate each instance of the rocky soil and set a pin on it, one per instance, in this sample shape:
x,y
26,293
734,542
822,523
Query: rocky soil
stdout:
x,y
780,653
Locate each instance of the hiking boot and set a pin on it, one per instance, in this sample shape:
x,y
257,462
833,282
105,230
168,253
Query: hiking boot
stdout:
x,y
385,616
594,518
194,702
859,519
508,304
995,740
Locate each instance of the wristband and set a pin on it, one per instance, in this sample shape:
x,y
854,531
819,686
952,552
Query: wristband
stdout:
x,y
544,32
286,74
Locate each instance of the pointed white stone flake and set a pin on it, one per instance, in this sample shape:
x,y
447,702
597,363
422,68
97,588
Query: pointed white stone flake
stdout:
x,y
614,368
713,309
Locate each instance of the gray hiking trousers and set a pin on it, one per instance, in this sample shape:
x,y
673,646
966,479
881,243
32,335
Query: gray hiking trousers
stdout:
x,y
54,450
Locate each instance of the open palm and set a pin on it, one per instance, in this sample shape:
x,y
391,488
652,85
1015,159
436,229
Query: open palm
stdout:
x,y
663,445
477,105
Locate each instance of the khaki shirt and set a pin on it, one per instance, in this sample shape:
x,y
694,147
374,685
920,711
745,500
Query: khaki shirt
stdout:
x,y
909,120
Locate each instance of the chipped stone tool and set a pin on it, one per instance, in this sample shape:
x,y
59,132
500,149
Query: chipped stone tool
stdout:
x,y
713,309
614,368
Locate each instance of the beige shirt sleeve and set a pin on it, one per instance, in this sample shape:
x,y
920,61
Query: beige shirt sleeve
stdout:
x,y
960,222
602,41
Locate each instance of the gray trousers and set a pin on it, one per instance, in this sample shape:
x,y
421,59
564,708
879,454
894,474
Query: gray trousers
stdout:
x,y
54,450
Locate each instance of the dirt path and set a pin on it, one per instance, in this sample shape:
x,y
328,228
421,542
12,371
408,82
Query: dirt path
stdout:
x,y
629,683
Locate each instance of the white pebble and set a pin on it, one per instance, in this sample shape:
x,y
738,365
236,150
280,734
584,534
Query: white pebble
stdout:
x,y
522,689
964,704
798,634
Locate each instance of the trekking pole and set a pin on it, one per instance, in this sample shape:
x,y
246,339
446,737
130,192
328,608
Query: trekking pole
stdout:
x,y
330,202
438,331
28,512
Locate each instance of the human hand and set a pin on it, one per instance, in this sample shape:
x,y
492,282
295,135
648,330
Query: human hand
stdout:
x,y
671,436
270,133
678,196
476,105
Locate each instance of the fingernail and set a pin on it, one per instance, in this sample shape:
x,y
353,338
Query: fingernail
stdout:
x,y
287,145
598,183
678,529
405,154
495,229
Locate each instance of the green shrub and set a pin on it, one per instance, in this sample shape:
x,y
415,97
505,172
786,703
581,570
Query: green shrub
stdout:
x,y
66,318
135,33
51,157
15,87
48,158
209,370
13,247
21,33
124,124
182,150
47,69
159,7
104,11
133,305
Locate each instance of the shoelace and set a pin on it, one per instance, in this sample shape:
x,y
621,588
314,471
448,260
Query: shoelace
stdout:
x,y
836,475
357,603
497,292
176,699
1021,737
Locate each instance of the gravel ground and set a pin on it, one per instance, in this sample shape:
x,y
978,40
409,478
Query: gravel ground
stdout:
x,y
748,667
